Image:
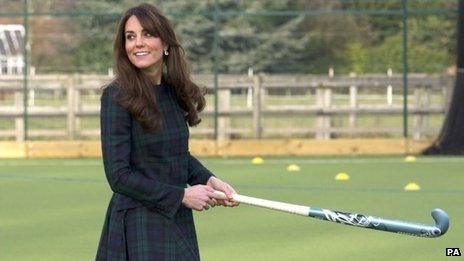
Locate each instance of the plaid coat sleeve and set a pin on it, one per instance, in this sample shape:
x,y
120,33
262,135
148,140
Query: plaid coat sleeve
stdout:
x,y
198,174
116,124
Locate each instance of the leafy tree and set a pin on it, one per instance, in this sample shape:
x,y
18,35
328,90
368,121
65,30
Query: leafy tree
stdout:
x,y
268,35
357,56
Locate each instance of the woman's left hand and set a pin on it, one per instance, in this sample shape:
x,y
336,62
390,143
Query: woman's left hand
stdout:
x,y
220,185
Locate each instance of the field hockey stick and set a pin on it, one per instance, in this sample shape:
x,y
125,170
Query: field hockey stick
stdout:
x,y
353,219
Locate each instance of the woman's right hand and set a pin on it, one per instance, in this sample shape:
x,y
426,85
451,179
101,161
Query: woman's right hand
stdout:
x,y
199,197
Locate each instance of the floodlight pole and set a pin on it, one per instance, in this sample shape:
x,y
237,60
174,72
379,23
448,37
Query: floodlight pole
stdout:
x,y
405,68
216,65
25,68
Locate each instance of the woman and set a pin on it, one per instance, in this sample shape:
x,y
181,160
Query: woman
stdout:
x,y
144,116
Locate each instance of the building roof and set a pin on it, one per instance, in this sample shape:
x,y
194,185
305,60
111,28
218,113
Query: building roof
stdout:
x,y
11,40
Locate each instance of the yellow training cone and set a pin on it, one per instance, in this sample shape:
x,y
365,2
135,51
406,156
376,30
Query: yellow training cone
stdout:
x,y
257,160
412,187
410,159
293,167
342,176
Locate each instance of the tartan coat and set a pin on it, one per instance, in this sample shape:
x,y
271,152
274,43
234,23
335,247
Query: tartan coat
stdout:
x,y
148,172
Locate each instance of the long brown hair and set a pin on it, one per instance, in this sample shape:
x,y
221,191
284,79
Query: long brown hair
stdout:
x,y
136,90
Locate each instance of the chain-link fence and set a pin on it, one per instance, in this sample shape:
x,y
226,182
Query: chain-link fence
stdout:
x,y
272,69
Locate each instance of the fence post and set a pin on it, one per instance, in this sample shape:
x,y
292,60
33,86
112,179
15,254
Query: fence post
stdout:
x,y
417,106
223,121
389,88
77,103
71,117
249,89
426,105
257,89
446,91
19,121
353,103
323,100
31,96
422,102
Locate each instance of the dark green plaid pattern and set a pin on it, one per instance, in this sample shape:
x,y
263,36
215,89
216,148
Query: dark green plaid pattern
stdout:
x,y
148,173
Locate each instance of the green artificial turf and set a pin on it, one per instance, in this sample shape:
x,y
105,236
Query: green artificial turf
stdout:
x,y
54,209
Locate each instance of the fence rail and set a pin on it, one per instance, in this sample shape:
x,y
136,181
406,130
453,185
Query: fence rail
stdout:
x,y
321,92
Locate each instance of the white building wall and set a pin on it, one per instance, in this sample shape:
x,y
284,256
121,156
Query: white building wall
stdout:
x,y
12,62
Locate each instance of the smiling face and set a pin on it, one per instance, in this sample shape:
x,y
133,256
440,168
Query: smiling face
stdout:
x,y
144,50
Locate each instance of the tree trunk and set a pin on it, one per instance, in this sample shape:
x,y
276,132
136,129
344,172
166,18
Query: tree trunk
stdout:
x,y
451,138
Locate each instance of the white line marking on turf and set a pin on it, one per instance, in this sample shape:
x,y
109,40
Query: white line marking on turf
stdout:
x,y
51,163
335,161
53,178
241,161
327,189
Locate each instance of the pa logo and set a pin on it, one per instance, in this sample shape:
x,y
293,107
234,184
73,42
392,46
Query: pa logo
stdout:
x,y
453,251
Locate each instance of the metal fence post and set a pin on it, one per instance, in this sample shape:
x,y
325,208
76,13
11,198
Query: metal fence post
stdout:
x,y
216,65
405,68
25,71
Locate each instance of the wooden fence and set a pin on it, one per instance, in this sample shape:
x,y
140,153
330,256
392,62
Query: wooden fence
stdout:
x,y
429,95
